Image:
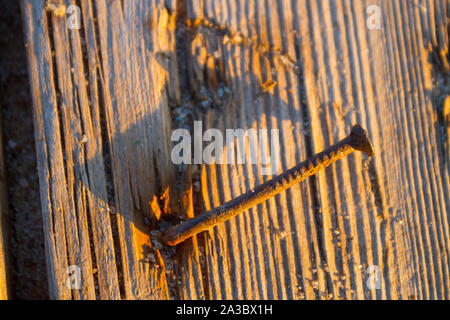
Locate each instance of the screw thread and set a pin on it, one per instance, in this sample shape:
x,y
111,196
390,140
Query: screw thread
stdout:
x,y
357,140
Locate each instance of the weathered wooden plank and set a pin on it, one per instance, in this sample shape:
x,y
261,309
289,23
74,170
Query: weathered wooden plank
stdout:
x,y
390,212
101,107
138,123
48,151
106,104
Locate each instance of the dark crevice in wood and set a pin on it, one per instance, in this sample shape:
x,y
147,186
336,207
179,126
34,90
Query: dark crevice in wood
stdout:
x,y
121,2
313,188
46,145
79,177
82,33
77,173
93,257
211,28
317,213
188,99
80,180
376,189
201,239
106,157
60,121
168,253
308,141
98,54
381,212
60,107
117,251
158,193
181,44
110,190
76,294
84,55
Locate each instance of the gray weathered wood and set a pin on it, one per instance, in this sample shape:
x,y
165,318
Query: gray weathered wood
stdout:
x,y
107,97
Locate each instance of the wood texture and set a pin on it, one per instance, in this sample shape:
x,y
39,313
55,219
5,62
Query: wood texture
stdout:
x,y
107,97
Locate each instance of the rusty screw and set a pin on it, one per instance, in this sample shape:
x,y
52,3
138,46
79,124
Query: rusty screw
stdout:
x,y
357,140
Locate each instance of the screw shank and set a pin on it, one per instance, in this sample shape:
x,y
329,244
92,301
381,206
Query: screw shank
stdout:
x,y
187,229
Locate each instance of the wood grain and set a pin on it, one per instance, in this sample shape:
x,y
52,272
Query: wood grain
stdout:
x,y
107,97
391,212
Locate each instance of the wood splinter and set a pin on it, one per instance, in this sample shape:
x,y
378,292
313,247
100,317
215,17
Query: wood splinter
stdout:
x,y
357,140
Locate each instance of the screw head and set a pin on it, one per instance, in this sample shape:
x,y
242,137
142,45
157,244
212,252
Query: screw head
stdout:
x,y
359,139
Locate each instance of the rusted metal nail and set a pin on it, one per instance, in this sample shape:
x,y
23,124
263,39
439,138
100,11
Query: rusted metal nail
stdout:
x,y
357,140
